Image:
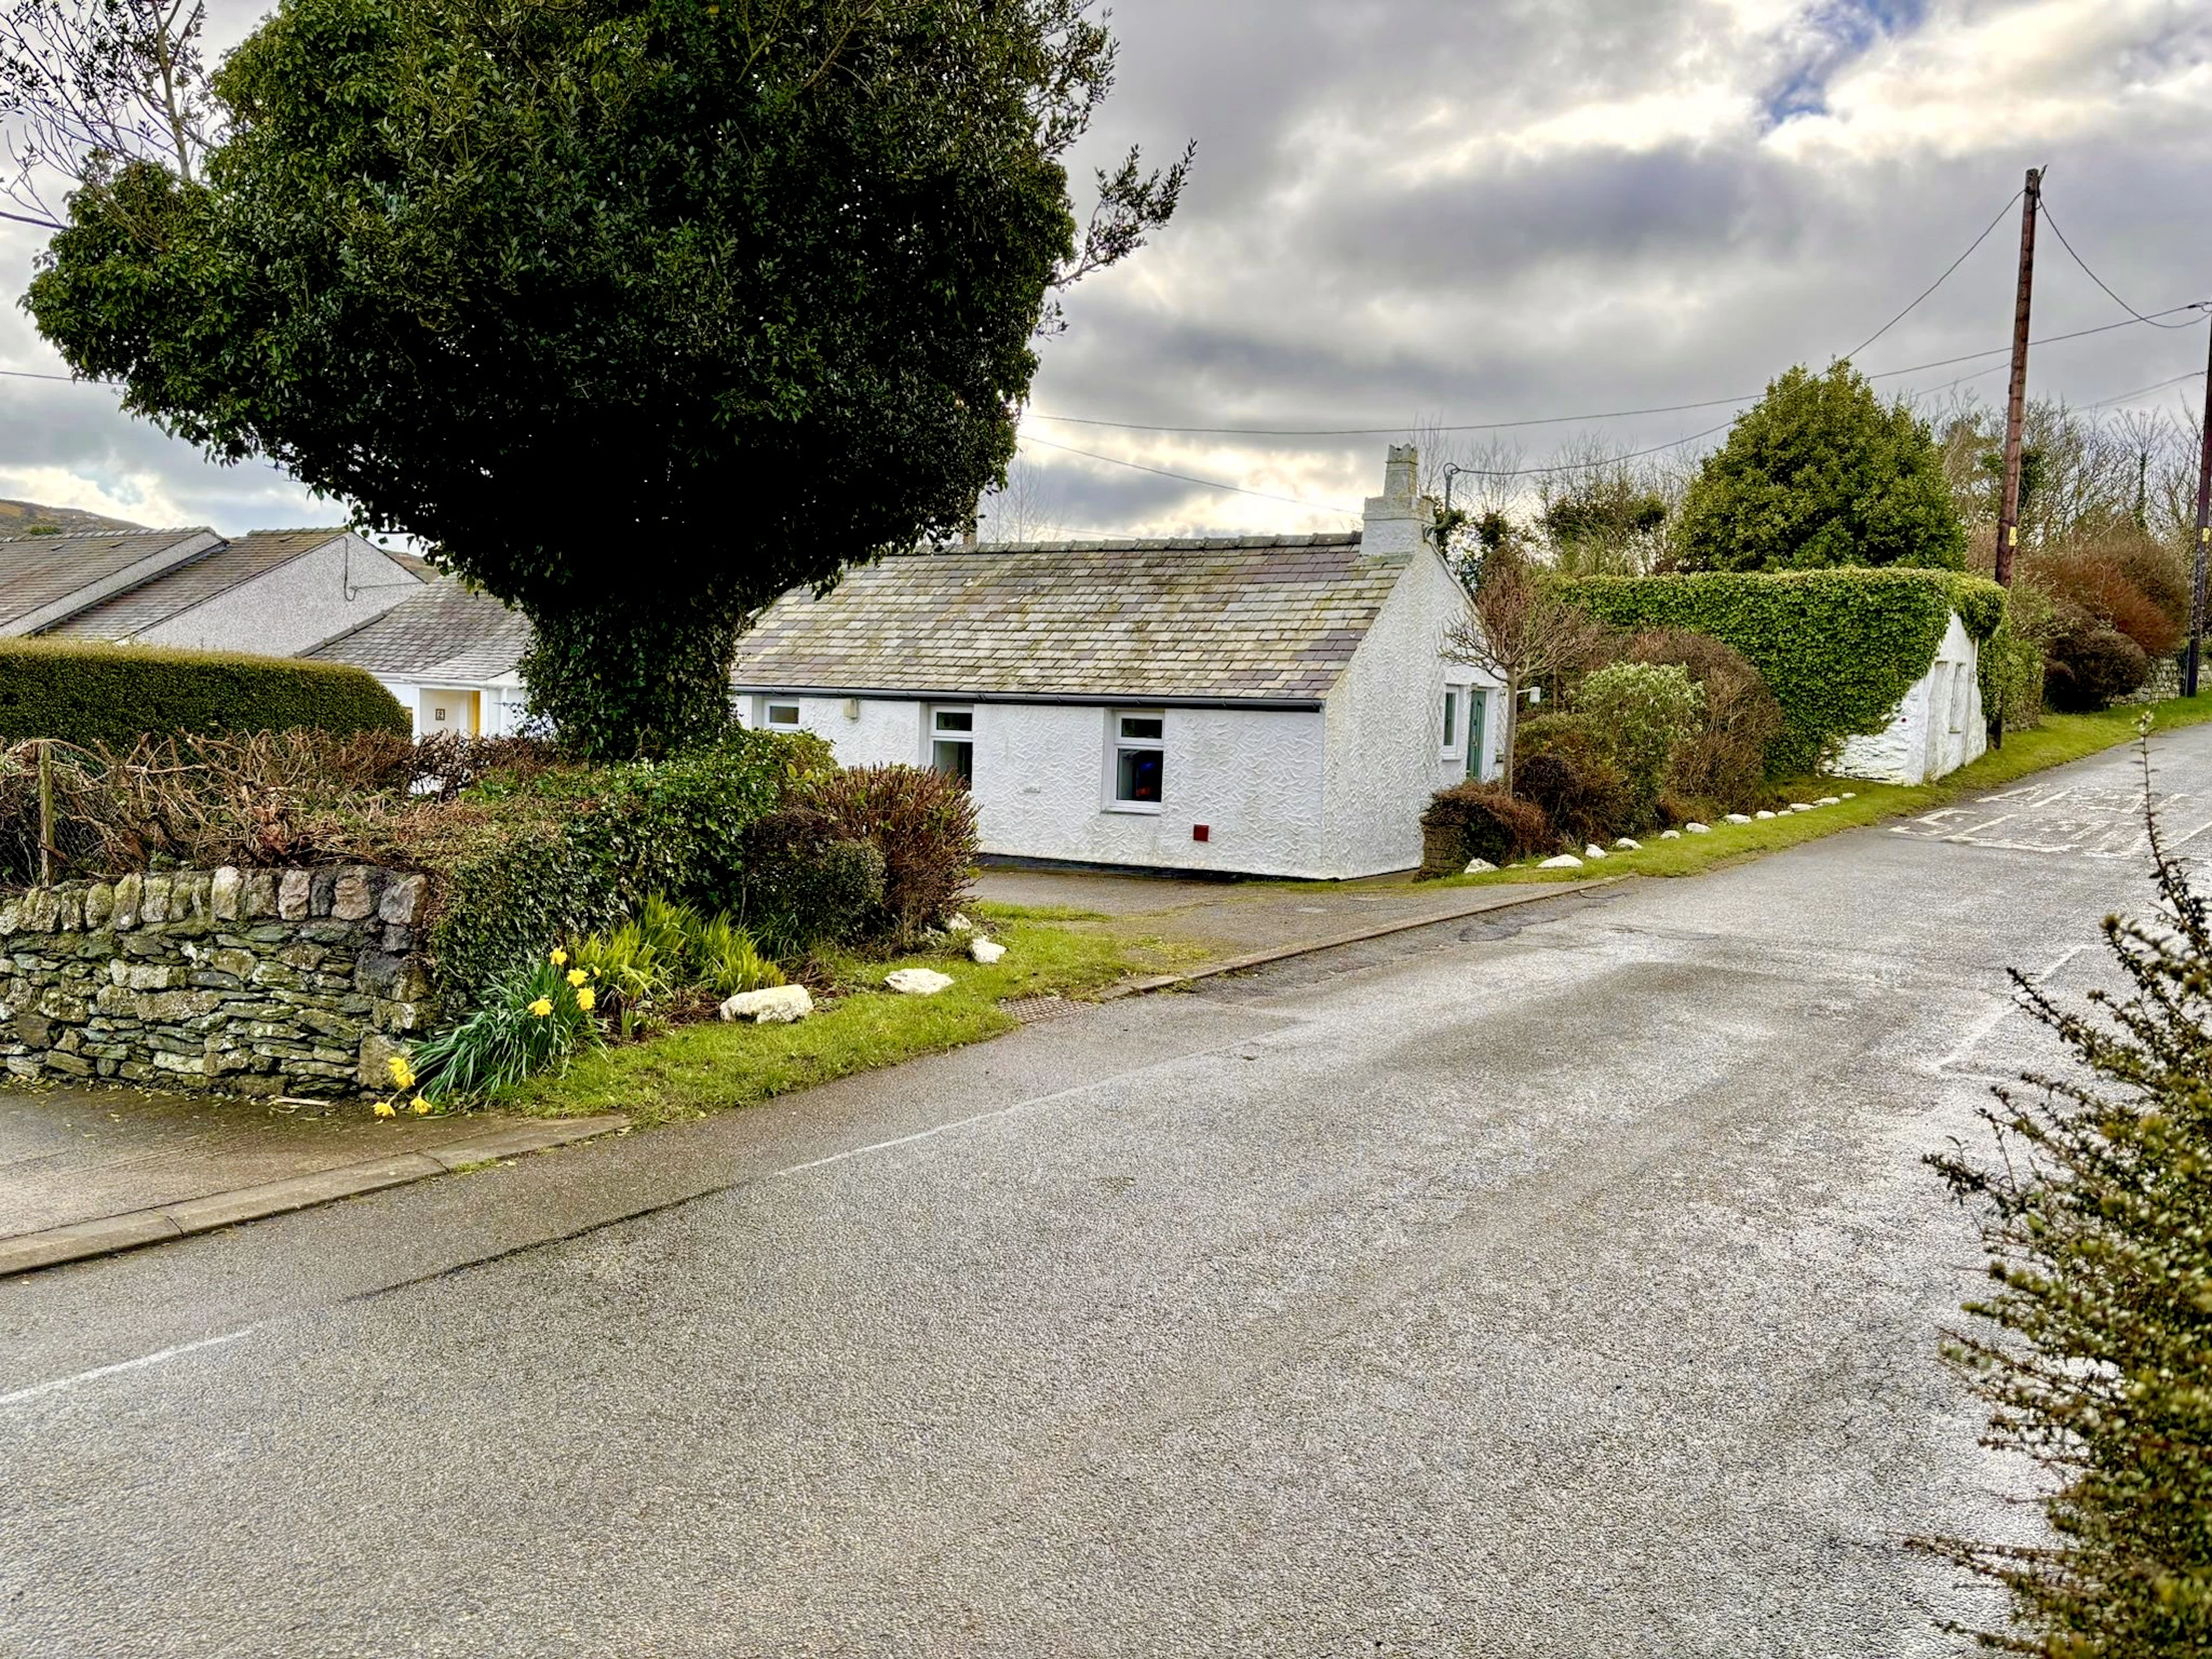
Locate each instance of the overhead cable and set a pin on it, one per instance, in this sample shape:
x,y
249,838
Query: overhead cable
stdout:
x,y
2101,282
1939,281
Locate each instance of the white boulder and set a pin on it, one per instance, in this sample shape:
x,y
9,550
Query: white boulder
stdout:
x,y
1628,844
779,1005
956,924
1565,862
1477,867
1800,806
1849,794
1698,829
985,950
1670,835
917,981
1739,818
1762,813
1594,851
1829,800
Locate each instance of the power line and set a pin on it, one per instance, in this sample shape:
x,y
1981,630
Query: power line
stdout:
x,y
2141,391
1939,281
1608,461
1185,477
1403,426
2100,281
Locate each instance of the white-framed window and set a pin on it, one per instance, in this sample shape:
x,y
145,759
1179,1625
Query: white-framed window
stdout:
x,y
1136,770
952,743
1452,696
779,716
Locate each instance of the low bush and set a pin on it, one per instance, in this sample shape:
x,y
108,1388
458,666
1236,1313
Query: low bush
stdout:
x,y
1722,765
1566,769
2091,1355
806,882
534,1019
2088,664
1472,821
923,823
86,693
1642,712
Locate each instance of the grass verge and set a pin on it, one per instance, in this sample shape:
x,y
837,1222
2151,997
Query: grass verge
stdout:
x,y
2060,738
698,1069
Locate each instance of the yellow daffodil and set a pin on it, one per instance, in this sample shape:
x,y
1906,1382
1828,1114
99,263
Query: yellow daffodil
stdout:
x,y
542,1007
558,956
422,1106
403,1074
384,1109
585,999
577,976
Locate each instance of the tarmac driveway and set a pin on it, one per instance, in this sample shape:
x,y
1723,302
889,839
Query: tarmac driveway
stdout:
x,y
1563,1282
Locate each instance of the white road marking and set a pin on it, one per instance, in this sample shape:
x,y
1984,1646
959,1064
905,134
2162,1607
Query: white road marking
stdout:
x,y
1979,1032
59,1383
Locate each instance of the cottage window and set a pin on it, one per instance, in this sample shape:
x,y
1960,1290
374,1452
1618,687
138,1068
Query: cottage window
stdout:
x,y
1451,720
1140,762
952,743
783,714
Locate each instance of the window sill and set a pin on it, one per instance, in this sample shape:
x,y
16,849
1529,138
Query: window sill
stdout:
x,y
1141,809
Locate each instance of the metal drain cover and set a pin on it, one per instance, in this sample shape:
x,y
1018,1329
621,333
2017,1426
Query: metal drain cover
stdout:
x,y
1030,1010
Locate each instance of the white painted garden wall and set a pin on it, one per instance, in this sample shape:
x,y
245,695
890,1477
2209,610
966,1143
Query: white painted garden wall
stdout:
x,y
1938,727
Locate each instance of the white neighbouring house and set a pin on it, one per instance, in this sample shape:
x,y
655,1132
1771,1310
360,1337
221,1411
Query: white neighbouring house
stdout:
x,y
448,653
1257,705
1939,726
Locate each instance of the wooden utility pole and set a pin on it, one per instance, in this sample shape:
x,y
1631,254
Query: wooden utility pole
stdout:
x,y
2203,530
2016,398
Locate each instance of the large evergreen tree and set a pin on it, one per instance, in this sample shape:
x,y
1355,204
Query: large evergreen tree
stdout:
x,y
1820,472
639,312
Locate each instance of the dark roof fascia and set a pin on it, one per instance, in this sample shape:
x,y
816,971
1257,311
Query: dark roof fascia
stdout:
x,y
1069,699
188,546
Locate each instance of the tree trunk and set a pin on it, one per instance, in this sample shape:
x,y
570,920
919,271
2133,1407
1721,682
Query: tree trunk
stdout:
x,y
624,680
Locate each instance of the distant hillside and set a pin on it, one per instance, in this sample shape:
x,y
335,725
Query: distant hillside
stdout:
x,y
22,517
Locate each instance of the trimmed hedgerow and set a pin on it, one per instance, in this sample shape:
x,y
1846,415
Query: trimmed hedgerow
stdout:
x,y
806,882
86,693
1838,648
1472,821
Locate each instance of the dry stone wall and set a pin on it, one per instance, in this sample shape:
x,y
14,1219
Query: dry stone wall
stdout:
x,y
250,981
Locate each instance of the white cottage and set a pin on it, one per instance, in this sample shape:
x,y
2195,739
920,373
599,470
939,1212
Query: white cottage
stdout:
x,y
1938,727
1261,705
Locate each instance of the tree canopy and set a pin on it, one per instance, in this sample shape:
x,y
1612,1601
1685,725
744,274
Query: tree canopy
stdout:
x,y
640,311
1821,472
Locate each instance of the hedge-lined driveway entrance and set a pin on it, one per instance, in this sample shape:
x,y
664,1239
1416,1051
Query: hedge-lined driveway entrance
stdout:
x,y
1560,1283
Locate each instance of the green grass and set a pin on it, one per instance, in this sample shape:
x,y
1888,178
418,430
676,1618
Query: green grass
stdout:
x,y
698,1069
2060,738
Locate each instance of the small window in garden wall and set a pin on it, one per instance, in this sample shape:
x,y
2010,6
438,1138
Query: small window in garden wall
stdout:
x,y
1138,761
952,743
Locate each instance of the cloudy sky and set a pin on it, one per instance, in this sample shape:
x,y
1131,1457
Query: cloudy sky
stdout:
x,y
1463,213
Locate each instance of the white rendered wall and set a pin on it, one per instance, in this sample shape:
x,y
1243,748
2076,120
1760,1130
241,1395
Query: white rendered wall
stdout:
x,y
293,607
1938,727
500,705
1385,719
1253,777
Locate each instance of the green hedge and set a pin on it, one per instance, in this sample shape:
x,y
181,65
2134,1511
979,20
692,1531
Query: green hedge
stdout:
x,y
1838,648
84,693
582,851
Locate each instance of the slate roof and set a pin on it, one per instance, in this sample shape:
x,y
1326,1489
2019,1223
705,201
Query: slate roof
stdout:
x,y
1245,618
447,634
37,572
216,571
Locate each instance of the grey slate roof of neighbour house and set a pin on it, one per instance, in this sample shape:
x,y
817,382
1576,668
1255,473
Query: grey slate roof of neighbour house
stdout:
x,y
447,634
43,579
1206,619
216,571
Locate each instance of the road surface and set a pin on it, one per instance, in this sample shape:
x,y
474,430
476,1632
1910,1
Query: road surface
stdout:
x,y
1565,1283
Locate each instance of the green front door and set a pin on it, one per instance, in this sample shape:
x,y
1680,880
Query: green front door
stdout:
x,y
1478,704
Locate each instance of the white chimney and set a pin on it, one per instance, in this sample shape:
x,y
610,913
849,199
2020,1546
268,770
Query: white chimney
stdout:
x,y
1397,521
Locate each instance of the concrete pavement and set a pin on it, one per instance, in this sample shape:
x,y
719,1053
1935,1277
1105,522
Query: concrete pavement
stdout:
x,y
1563,1282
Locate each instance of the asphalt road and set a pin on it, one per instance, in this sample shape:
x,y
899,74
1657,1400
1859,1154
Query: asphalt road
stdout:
x,y
1564,1283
